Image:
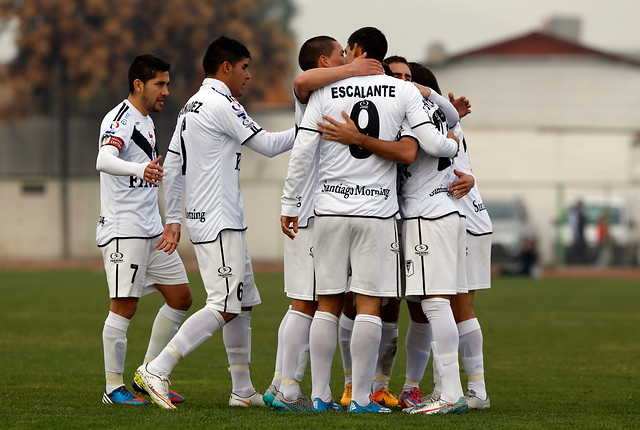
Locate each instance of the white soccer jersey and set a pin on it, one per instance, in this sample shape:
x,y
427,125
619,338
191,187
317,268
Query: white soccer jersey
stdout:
x,y
308,185
204,156
471,205
351,180
424,184
128,204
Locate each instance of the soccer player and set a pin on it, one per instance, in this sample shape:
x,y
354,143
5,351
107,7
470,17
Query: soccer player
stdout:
x,y
433,233
130,224
355,208
478,268
418,328
204,160
322,60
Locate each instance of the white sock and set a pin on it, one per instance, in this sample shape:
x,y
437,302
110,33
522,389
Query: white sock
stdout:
x,y
322,346
365,342
277,373
418,347
386,355
444,346
344,341
165,326
295,343
195,331
114,342
471,354
237,341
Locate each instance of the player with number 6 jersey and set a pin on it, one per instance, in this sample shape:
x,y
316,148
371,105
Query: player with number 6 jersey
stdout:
x,y
204,162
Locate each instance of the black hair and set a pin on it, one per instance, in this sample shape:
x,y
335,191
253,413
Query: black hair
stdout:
x,y
312,49
395,59
424,76
371,40
223,49
145,67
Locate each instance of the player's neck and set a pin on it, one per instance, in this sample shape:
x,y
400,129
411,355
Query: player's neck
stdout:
x,y
137,103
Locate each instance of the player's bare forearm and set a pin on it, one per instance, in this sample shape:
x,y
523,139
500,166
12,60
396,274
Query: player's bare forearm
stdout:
x,y
463,185
289,226
424,91
313,79
170,238
403,151
450,135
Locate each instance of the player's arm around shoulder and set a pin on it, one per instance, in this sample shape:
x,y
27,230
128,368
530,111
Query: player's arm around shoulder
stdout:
x,y
312,79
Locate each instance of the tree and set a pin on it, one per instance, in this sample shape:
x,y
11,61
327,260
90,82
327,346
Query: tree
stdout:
x,y
73,57
78,51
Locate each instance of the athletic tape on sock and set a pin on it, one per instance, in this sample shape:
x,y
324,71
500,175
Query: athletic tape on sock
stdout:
x,y
383,379
411,383
174,351
478,377
238,367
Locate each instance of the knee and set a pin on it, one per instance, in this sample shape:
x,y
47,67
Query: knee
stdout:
x,y
124,307
182,300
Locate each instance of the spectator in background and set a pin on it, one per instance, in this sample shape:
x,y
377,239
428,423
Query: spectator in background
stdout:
x,y
577,221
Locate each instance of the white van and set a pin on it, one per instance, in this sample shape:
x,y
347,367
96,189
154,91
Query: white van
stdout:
x,y
513,232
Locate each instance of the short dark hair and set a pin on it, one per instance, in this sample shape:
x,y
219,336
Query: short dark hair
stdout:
x,y
371,40
395,59
422,75
223,49
312,49
145,67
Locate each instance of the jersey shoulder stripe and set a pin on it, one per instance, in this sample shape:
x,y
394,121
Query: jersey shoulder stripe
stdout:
x,y
142,143
121,111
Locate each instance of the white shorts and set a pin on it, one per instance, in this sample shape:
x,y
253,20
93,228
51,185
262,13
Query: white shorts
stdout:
x,y
134,266
366,248
299,276
478,261
434,251
227,274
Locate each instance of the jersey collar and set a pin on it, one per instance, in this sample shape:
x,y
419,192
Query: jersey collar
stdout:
x,y
219,86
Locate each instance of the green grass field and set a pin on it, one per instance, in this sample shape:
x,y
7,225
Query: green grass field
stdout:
x,y
559,354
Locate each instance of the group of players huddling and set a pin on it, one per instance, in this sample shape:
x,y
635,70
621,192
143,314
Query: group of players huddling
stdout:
x,y
380,204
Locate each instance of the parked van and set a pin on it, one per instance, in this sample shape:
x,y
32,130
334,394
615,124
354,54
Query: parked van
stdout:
x,y
513,234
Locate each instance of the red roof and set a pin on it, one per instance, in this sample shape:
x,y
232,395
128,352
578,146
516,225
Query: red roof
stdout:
x,y
540,44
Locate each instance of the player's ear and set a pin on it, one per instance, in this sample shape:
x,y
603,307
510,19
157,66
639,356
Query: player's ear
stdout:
x,y
138,86
322,61
357,50
226,67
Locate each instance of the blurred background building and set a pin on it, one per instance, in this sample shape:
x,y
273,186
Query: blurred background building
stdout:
x,y
552,123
